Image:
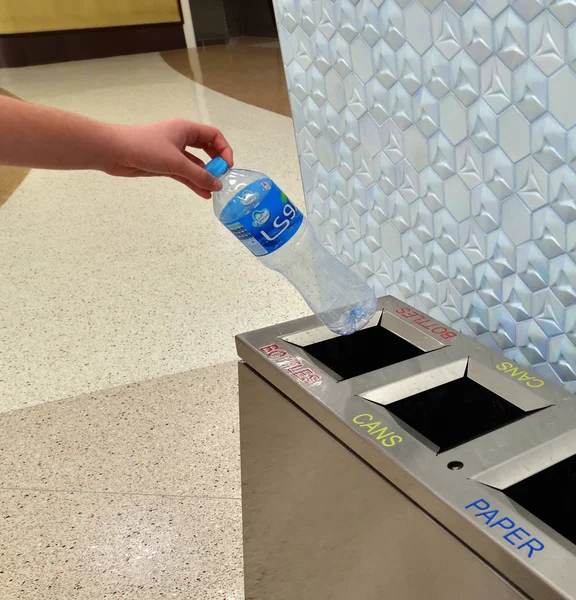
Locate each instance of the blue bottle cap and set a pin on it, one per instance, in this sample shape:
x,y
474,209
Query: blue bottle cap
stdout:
x,y
217,166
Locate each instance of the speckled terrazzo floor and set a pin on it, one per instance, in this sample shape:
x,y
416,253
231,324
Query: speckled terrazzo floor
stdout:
x,y
108,281
119,466
132,492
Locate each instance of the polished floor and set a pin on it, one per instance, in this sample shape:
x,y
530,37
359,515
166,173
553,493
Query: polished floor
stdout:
x,y
119,458
10,177
249,70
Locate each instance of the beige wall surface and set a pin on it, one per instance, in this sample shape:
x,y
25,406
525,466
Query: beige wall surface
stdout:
x,y
27,16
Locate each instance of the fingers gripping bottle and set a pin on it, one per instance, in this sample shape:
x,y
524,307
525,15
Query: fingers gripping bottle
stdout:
x,y
259,214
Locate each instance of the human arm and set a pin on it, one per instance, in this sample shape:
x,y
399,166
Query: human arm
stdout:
x,y
40,137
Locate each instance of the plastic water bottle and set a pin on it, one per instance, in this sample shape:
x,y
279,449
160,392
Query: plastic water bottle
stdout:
x,y
259,214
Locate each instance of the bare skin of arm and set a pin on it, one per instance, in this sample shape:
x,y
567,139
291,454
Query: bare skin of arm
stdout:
x,y
45,138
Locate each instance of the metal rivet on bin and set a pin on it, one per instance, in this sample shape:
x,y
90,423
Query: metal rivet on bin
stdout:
x,y
455,465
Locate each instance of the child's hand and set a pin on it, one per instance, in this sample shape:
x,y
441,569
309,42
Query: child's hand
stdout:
x,y
39,137
159,149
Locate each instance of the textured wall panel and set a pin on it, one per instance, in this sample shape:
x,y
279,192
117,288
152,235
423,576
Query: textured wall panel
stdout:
x,y
437,142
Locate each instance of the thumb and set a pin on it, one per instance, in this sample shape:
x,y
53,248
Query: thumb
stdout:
x,y
181,166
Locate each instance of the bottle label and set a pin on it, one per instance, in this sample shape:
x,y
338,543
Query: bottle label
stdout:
x,y
270,225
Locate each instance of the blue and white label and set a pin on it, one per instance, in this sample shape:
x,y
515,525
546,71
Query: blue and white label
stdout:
x,y
272,222
509,531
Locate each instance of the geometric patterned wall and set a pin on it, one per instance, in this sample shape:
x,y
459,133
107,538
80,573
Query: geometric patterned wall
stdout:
x,y
437,143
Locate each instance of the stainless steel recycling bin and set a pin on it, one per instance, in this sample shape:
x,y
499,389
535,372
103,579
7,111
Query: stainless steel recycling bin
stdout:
x,y
404,461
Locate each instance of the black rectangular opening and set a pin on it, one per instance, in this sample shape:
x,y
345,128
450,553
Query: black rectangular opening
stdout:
x,y
550,495
364,351
455,413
